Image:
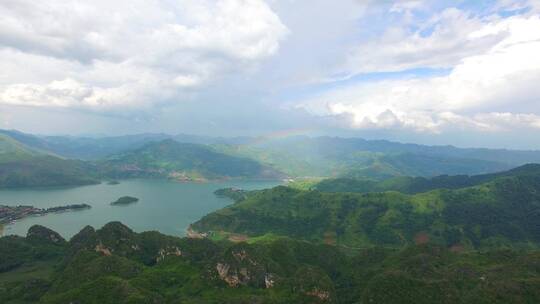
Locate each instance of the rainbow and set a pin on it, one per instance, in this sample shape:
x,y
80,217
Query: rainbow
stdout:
x,y
279,135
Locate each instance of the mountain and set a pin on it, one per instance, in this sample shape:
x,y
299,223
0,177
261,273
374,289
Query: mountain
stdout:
x,y
116,265
359,158
11,149
21,166
411,185
503,212
301,156
95,148
86,148
169,158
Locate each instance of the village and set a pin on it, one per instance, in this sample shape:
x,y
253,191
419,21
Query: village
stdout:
x,y
10,214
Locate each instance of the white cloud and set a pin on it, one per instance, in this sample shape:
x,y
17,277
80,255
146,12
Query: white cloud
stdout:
x,y
440,42
507,74
108,53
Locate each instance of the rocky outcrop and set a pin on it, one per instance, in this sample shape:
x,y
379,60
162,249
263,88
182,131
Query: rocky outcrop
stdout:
x,y
243,266
168,251
102,249
229,277
269,280
322,295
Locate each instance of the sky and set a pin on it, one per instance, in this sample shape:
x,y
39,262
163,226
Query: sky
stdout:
x,y
465,73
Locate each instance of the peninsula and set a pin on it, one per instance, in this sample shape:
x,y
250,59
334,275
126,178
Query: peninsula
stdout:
x,y
9,214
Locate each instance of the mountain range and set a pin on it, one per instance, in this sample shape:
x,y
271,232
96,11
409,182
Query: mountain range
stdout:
x,y
68,160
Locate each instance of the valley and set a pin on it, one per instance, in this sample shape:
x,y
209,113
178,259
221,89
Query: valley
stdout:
x,y
298,220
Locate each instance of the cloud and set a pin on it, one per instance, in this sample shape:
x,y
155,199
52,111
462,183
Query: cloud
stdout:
x,y
482,91
440,42
128,53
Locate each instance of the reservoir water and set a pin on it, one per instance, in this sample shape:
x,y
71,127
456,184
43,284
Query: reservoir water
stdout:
x,y
166,206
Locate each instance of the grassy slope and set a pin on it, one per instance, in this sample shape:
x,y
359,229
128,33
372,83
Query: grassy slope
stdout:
x,y
147,268
503,212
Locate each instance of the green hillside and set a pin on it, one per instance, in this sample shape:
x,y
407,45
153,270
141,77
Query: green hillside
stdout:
x,y
12,150
21,166
501,213
411,185
172,159
116,265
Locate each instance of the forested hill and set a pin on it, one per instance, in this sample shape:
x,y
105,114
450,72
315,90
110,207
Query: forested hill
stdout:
x,y
504,212
169,158
21,166
116,265
411,185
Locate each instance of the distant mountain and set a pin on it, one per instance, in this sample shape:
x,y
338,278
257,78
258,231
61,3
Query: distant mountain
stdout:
x,y
86,148
21,166
303,156
343,157
411,185
184,161
11,149
93,148
505,211
116,265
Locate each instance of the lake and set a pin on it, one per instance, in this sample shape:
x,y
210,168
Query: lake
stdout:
x,y
166,206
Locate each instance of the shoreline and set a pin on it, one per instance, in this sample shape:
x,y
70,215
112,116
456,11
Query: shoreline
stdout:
x,y
11,214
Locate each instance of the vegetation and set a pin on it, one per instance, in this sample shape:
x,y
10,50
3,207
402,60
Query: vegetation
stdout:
x,y
500,213
371,235
411,185
116,265
232,193
182,161
21,166
125,200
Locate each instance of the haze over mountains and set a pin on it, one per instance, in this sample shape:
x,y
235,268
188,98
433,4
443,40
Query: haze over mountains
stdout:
x,y
85,160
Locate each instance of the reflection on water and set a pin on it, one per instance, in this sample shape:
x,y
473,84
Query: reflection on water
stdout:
x,y
165,206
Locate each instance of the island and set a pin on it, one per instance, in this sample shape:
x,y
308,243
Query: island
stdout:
x,y
113,182
9,214
125,200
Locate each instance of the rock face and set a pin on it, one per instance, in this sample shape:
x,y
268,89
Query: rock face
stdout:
x,y
102,249
269,280
39,233
322,295
242,267
168,251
